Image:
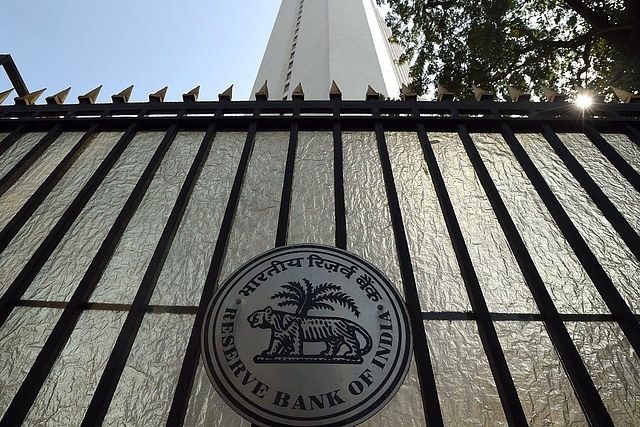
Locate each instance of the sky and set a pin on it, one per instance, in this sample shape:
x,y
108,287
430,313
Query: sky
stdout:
x,y
147,43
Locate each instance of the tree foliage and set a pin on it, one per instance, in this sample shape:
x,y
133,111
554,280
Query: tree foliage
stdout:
x,y
310,297
522,43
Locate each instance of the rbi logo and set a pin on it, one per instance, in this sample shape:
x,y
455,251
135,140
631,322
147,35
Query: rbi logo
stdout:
x,y
306,335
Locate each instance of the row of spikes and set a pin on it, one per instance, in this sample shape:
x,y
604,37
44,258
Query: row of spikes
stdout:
x,y
298,94
123,97
550,94
91,96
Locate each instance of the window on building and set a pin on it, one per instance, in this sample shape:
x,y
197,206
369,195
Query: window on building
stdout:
x,y
286,88
289,75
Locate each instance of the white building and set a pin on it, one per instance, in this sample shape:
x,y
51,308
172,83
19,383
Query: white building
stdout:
x,y
320,41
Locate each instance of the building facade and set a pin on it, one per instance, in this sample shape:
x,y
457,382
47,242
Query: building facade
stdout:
x,y
317,42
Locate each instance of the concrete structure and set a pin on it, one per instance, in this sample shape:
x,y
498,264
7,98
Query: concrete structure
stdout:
x,y
316,42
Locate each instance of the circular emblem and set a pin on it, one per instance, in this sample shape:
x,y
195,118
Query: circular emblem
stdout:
x,y
306,335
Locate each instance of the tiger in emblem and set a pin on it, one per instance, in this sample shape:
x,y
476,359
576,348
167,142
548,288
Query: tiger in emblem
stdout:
x,y
290,331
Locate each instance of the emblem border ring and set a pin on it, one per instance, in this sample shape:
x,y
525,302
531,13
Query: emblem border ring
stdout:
x,y
350,416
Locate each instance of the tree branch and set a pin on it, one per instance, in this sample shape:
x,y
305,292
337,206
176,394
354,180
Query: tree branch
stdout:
x,y
595,19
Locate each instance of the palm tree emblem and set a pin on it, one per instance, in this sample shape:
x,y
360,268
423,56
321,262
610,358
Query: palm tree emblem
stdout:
x,y
345,340
310,297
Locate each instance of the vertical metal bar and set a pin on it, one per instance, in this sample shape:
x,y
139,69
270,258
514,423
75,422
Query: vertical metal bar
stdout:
x,y
285,201
25,163
612,155
26,395
610,212
586,391
633,134
616,304
431,404
115,365
338,182
490,342
44,251
11,139
23,215
190,363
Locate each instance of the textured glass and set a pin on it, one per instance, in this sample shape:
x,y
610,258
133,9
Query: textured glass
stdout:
x,y
614,367
145,391
22,336
67,391
16,196
58,278
312,215
18,150
568,284
256,219
253,232
617,189
369,230
189,258
628,149
124,273
543,387
206,407
35,230
502,283
466,389
405,408
609,248
440,285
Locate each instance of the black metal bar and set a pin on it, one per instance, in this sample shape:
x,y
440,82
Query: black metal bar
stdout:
x,y
25,212
15,291
190,363
488,336
633,134
285,201
586,391
610,212
115,365
431,404
25,163
14,75
612,155
11,139
60,334
616,304
338,183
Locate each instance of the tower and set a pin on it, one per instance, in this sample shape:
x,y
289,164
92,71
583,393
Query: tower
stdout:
x,y
320,41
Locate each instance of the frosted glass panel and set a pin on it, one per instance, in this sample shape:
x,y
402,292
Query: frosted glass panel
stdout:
x,y
609,248
567,282
206,407
145,391
369,230
17,195
617,189
543,387
466,389
190,255
312,215
124,273
22,336
614,367
58,278
437,273
628,149
405,408
18,150
35,230
67,391
256,219
502,283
